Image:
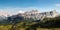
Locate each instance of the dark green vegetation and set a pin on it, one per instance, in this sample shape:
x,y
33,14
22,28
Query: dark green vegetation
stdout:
x,y
19,22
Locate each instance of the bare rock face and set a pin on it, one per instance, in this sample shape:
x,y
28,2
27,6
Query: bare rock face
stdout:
x,y
35,14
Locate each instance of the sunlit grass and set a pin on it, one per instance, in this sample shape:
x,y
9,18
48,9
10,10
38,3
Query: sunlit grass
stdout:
x,y
8,27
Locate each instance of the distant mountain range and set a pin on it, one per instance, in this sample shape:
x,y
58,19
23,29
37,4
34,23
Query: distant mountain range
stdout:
x,y
33,15
32,19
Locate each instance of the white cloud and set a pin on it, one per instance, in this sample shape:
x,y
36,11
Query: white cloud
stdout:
x,y
57,5
21,12
16,10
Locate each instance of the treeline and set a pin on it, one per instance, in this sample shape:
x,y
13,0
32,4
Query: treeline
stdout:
x,y
20,22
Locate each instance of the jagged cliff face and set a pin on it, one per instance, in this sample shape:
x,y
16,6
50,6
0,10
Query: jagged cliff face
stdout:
x,y
39,15
33,18
52,14
33,15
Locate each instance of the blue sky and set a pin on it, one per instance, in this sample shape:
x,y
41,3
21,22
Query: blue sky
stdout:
x,y
14,6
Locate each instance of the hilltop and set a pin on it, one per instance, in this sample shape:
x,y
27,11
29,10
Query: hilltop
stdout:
x,y
32,20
